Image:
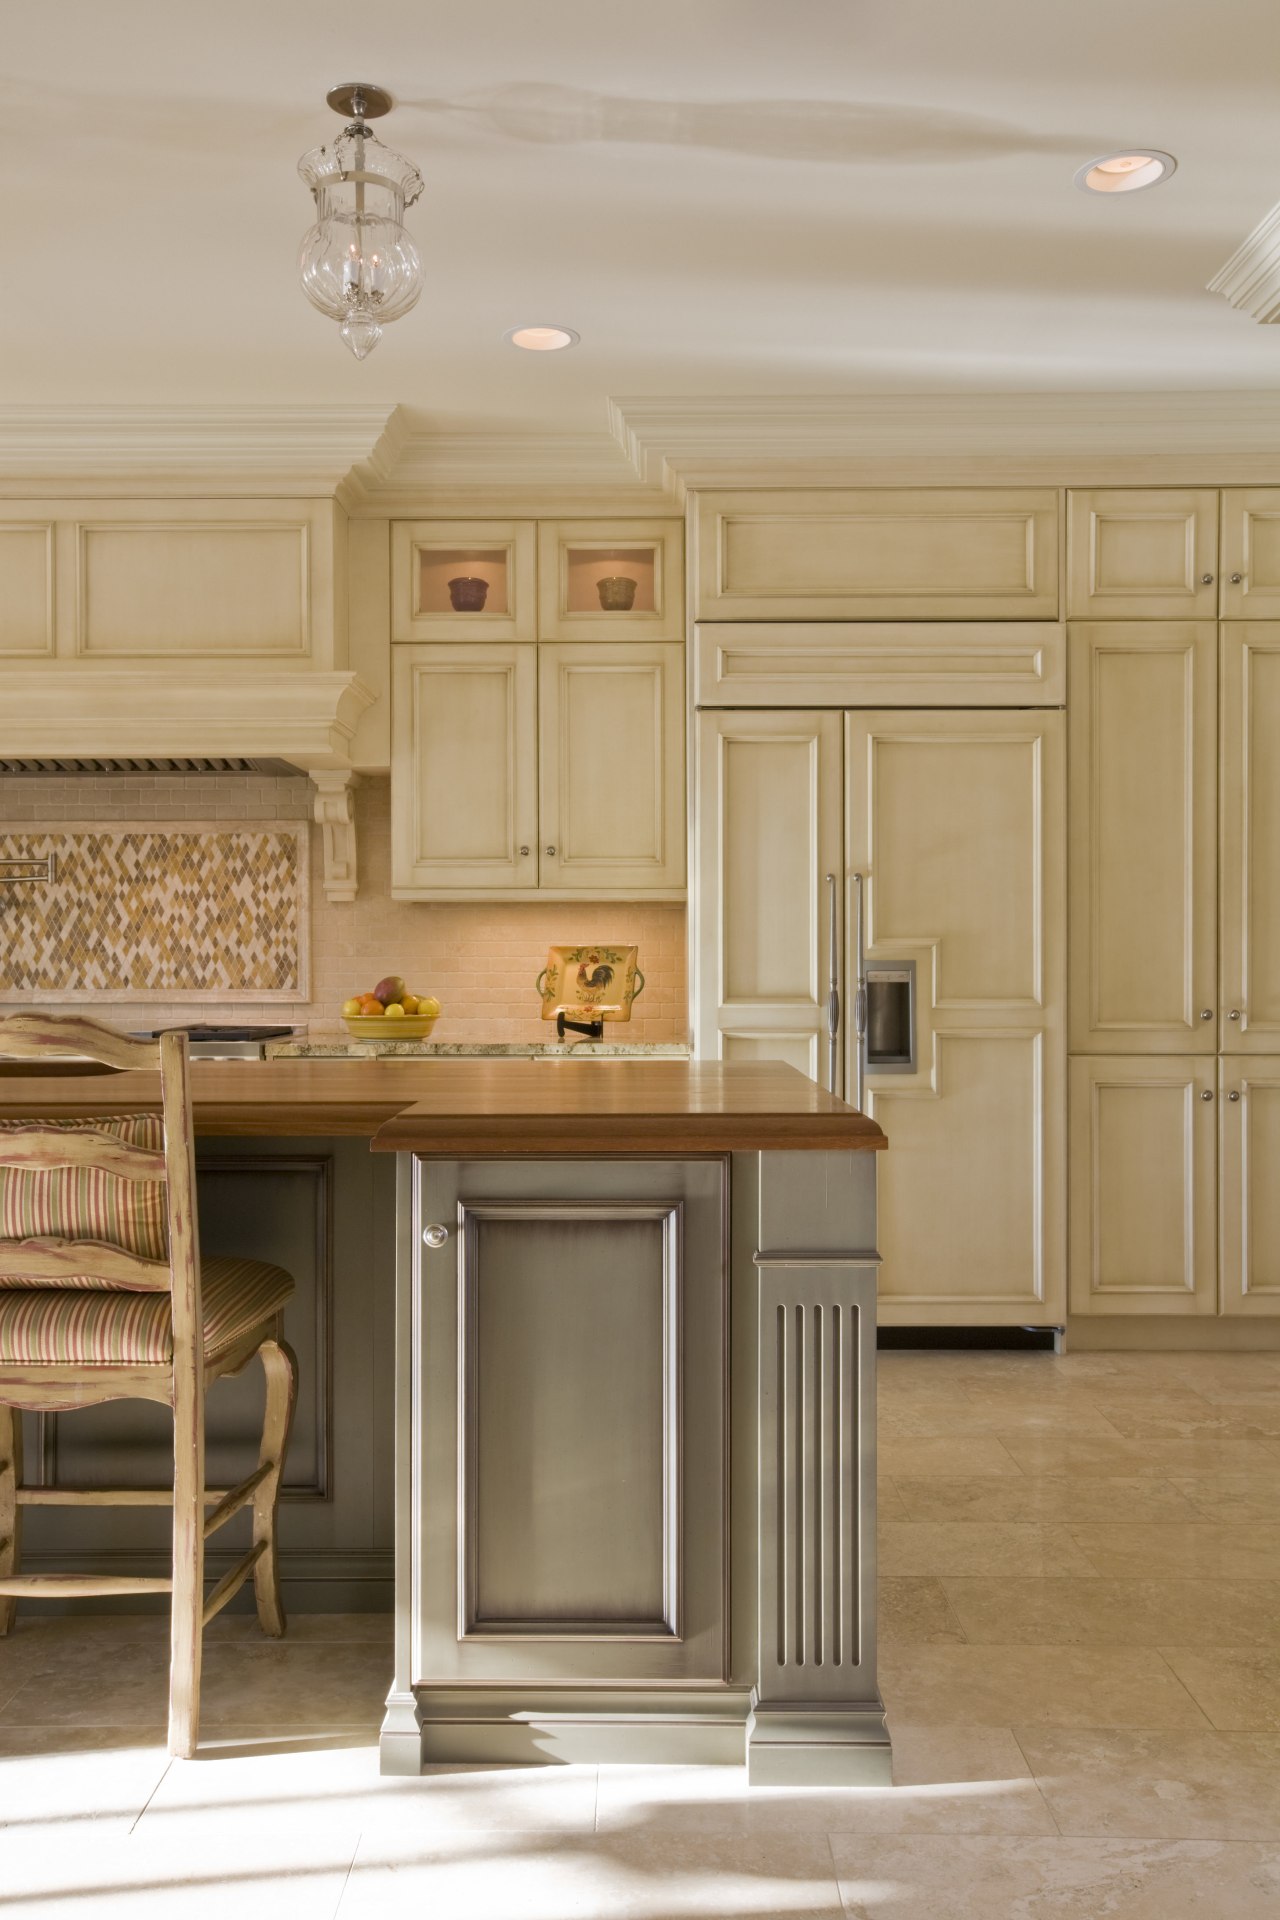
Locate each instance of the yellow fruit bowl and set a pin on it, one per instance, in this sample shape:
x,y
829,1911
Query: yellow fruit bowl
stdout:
x,y
376,1026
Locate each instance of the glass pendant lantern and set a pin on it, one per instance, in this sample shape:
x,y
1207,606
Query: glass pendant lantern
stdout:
x,y
358,263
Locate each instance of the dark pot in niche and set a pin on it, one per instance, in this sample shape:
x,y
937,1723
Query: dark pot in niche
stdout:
x,y
467,594
617,593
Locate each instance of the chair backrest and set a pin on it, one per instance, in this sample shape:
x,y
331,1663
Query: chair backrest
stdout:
x,y
102,1202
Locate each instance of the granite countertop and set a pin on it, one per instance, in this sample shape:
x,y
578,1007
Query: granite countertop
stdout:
x,y
340,1049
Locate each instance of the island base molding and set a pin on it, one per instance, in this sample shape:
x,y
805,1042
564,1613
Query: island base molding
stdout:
x,y
811,1746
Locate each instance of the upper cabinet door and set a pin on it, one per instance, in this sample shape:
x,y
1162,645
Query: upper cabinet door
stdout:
x,y
769,832
611,580
1250,838
464,580
978,553
1141,801
464,760
611,767
1142,554
1251,553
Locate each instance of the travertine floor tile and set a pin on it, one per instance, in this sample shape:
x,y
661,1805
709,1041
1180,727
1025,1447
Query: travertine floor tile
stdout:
x,y
1201,1549
189,1877
1089,1454
979,1546
1238,1687
1059,1686
914,1612
639,1874
1194,1786
1232,1499
1047,1499
1116,1613
991,1879
945,1780
969,1454
72,1786
889,1504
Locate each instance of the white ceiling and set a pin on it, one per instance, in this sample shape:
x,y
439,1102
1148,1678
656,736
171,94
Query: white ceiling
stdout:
x,y
724,197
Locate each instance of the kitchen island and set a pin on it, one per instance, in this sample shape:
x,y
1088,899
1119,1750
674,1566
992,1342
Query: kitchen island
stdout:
x,y
635,1414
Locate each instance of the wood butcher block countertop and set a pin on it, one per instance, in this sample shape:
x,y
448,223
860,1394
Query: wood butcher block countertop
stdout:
x,y
459,1108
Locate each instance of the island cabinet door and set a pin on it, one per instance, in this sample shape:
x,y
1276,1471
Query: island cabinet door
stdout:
x,y
955,825
464,768
570,1443
1249,1192
768,834
1142,806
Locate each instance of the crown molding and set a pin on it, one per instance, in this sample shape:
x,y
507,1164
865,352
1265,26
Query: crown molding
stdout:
x,y
123,449
1250,280
417,471
1064,439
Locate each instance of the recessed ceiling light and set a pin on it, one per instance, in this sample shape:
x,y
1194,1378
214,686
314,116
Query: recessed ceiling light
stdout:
x,y
542,339
1126,172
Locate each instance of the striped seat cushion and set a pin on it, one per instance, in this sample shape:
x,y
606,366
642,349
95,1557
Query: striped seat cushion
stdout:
x,y
83,1203
81,1326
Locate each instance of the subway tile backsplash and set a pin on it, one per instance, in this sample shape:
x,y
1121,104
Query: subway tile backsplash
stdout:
x,y
480,961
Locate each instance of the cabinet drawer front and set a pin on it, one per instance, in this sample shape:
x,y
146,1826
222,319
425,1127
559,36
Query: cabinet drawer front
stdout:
x,y
1142,1185
1250,1192
463,767
1251,553
1142,554
1142,804
963,554
880,663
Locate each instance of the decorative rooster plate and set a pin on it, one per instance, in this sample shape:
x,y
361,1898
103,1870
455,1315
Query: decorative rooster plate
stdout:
x,y
601,981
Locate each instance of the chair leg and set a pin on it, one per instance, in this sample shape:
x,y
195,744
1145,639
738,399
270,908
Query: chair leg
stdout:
x,y
10,1511
281,1370
187,1625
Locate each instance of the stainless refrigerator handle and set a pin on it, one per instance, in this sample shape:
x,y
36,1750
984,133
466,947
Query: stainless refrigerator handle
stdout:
x,y
859,995
833,990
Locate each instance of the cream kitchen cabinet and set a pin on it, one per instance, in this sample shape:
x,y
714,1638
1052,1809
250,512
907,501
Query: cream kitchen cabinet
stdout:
x,y
1142,803
1138,553
471,580
1251,553
1249,1192
1143,1152
954,821
525,772
1250,998
895,553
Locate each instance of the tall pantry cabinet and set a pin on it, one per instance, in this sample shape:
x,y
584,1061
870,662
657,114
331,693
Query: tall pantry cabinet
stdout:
x,y
886,775
1174,802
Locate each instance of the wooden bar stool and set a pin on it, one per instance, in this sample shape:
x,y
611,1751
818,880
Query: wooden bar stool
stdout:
x,y
103,1297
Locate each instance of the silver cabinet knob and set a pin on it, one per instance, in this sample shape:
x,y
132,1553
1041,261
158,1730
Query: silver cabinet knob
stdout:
x,y
435,1235
524,853
1206,1013
1234,1094
1234,1014
1206,1095
1237,579
1206,579
551,850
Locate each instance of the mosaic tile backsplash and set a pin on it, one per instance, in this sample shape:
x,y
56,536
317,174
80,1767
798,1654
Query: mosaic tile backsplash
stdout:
x,y
480,961
143,909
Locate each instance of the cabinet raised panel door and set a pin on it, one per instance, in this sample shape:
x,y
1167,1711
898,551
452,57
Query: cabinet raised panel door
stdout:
x,y
464,798
1249,1189
611,766
1251,553
955,822
1143,1147
1142,806
1135,554
769,830
1250,1020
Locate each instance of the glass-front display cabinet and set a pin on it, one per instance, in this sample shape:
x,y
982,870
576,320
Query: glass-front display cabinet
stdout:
x,y
464,580
610,579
